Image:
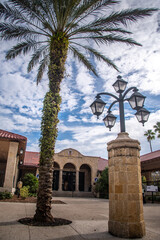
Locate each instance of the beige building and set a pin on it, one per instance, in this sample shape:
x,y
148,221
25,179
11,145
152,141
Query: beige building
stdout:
x,y
12,148
74,173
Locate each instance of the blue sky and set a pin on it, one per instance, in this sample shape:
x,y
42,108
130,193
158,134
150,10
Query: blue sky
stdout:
x,y
21,100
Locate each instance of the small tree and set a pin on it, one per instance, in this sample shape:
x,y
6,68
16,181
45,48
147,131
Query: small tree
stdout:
x,y
157,129
102,184
31,181
150,136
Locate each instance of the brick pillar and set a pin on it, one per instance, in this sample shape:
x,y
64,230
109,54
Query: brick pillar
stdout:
x,y
77,180
125,188
60,179
11,166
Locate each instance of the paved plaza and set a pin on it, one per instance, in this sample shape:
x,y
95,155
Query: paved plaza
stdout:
x,y
89,221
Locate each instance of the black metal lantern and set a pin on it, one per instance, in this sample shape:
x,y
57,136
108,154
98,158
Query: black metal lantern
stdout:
x,y
109,120
21,151
136,100
142,115
120,85
97,106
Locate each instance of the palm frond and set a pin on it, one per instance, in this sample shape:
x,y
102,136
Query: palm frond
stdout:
x,y
43,65
9,31
83,59
97,30
14,15
98,55
23,47
30,8
111,38
41,52
87,8
123,17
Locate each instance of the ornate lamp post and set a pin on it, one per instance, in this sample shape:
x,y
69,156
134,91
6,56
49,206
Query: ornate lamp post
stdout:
x,y
136,101
125,187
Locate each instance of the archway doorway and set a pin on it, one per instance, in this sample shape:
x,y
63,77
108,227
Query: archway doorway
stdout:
x,y
85,178
55,185
69,177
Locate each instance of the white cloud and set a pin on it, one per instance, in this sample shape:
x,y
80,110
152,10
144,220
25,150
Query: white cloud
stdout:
x,y
21,101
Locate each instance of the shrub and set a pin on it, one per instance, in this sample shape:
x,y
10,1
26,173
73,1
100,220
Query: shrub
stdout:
x,y
102,184
31,181
24,191
5,195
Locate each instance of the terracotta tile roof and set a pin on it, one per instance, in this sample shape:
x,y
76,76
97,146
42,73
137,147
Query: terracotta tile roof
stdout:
x,y
149,156
102,163
31,159
11,136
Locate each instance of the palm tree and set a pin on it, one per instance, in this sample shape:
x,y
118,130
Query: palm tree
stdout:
x,y
157,129
150,136
50,29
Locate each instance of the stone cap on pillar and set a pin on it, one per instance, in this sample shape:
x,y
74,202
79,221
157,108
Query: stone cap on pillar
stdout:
x,y
123,140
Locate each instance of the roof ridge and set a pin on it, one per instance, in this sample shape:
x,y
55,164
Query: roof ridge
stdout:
x,y
10,135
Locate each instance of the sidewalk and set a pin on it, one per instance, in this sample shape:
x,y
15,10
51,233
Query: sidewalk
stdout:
x,y
89,221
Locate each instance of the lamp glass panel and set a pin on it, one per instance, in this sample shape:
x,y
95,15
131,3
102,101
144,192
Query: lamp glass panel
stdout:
x,y
145,116
139,116
140,101
122,85
99,107
132,102
93,108
116,86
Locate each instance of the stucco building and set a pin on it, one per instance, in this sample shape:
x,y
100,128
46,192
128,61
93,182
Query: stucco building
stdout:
x,y
74,173
12,149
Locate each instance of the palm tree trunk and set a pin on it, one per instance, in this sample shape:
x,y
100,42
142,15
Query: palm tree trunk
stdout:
x,y
150,145
58,54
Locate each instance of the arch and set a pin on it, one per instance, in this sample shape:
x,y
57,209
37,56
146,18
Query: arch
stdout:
x,y
69,177
84,166
69,165
56,165
56,168
85,178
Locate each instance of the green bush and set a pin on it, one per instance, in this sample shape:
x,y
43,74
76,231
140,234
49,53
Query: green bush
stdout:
x,y
102,184
5,195
31,181
24,192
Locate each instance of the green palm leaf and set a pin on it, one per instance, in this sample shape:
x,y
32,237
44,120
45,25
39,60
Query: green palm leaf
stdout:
x,y
23,47
40,53
42,67
83,59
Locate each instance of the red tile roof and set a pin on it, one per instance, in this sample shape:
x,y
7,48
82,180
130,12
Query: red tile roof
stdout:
x,y
149,156
11,136
31,159
102,164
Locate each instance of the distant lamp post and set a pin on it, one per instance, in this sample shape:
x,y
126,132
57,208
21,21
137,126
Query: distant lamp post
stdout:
x,y
136,101
21,151
20,156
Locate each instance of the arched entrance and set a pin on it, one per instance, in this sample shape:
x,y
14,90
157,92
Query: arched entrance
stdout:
x,y
56,169
69,177
85,178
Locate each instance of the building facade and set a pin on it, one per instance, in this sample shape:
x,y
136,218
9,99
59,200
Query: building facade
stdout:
x,y
73,172
11,155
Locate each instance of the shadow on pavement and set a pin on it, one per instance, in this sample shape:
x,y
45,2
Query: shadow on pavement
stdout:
x,y
9,223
